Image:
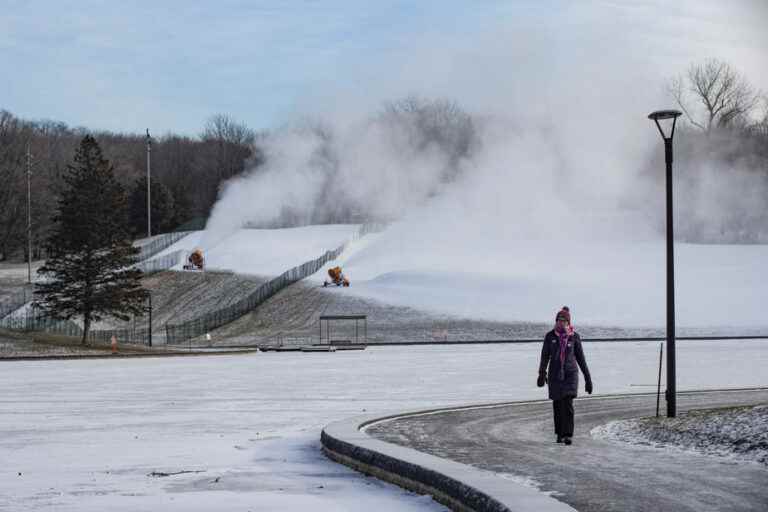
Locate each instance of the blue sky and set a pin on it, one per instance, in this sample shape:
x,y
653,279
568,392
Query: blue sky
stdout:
x,y
169,65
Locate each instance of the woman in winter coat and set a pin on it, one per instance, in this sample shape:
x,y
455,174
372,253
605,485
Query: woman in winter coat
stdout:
x,y
562,352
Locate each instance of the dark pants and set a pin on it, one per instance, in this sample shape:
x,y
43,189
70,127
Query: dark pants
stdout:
x,y
563,410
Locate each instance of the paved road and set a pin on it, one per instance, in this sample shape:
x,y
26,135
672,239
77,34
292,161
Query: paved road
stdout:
x,y
592,474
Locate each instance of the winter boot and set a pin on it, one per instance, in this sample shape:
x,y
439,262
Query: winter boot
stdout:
x,y
567,440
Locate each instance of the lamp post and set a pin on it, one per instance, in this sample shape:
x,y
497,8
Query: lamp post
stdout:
x,y
149,330
29,214
149,188
668,118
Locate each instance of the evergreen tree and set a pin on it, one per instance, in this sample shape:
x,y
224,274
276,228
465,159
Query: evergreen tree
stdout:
x,y
162,208
88,273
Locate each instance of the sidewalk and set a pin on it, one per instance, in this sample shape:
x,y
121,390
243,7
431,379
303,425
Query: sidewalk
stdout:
x,y
516,443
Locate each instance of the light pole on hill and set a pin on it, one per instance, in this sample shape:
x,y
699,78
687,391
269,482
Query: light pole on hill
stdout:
x,y
149,327
29,214
149,188
668,119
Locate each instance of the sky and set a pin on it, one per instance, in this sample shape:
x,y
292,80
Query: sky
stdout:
x,y
170,65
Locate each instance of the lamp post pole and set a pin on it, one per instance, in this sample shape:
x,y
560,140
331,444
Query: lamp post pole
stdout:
x,y
150,319
671,393
29,214
671,377
149,187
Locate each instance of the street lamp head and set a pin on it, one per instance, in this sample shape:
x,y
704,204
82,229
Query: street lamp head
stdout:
x,y
668,118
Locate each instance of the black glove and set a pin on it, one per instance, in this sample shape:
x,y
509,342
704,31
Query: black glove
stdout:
x,y
541,380
588,386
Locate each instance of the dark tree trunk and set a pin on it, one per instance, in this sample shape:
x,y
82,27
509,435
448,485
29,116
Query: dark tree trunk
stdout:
x,y
86,328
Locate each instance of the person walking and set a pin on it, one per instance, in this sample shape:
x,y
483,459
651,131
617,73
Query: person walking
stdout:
x,y
560,354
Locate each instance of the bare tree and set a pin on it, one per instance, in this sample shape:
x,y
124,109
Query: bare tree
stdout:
x,y
222,127
713,94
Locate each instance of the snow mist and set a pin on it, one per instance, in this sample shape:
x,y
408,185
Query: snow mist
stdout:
x,y
556,100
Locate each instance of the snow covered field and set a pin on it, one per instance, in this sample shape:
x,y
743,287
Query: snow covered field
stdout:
x,y
605,283
264,252
87,435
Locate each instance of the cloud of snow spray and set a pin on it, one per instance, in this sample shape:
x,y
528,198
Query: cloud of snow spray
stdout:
x,y
560,137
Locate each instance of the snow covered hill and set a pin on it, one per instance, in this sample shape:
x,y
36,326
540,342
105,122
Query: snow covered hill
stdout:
x,y
619,283
264,252
493,277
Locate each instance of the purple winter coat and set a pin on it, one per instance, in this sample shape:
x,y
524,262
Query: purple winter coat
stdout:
x,y
567,384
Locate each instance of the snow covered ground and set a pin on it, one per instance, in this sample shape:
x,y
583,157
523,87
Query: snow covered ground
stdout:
x,y
605,283
739,433
88,435
264,252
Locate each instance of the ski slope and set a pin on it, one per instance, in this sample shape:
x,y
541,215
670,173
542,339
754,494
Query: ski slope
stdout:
x,y
488,276
264,252
618,283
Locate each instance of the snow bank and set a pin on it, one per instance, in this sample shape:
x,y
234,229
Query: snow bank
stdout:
x,y
739,433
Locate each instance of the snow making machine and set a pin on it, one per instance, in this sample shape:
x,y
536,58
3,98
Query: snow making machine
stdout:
x,y
337,277
195,261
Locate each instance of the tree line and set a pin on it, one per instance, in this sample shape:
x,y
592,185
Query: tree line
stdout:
x,y
186,174
724,127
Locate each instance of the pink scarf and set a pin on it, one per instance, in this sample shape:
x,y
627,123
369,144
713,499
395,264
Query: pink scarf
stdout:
x,y
563,336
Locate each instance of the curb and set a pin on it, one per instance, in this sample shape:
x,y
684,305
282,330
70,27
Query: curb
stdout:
x,y
459,487
125,355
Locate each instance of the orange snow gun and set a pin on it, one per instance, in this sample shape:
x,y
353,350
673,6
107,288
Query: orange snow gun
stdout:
x,y
196,260
337,277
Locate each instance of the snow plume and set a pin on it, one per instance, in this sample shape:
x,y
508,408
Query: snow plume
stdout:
x,y
722,186
545,136
371,168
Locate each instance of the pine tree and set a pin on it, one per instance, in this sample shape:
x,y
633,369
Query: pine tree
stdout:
x,y
88,273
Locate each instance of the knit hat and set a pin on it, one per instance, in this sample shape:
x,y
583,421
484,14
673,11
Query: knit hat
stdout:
x,y
564,313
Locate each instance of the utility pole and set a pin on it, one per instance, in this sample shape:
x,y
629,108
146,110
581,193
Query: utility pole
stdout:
x,y
29,214
149,187
150,319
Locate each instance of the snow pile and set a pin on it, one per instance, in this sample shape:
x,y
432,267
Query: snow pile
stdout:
x,y
739,433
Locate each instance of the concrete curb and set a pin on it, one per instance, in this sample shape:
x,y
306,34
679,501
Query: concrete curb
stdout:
x,y
127,355
458,486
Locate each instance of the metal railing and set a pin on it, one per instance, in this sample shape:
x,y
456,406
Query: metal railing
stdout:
x,y
14,302
159,244
13,314
161,263
181,332
18,314
184,331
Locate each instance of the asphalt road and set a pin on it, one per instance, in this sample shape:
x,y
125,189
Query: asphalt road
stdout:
x,y
592,474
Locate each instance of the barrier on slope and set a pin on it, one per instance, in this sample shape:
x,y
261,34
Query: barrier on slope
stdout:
x,y
14,315
159,244
18,314
183,331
